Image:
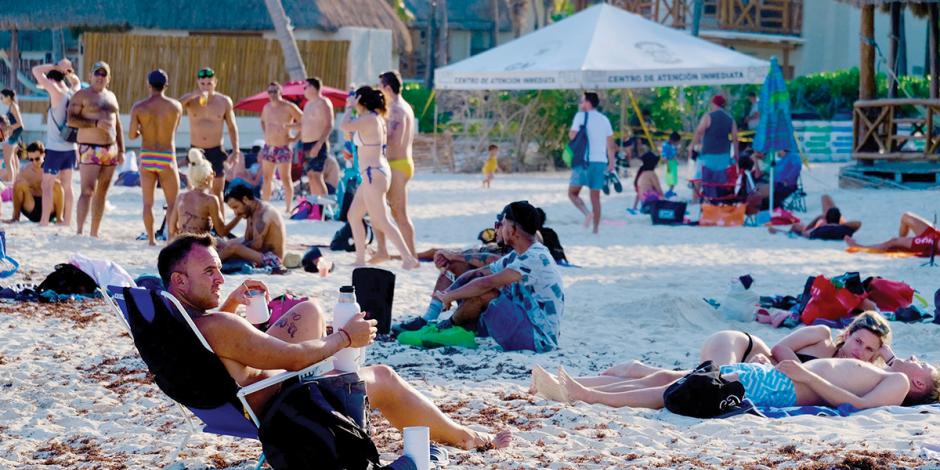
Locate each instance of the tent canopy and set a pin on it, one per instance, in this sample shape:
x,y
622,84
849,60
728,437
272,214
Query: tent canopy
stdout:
x,y
599,48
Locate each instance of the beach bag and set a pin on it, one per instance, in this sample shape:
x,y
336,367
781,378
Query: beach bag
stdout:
x,y
890,296
782,216
702,393
741,303
375,293
128,178
723,215
553,243
579,145
305,210
281,304
319,424
67,279
66,133
664,212
828,302
343,239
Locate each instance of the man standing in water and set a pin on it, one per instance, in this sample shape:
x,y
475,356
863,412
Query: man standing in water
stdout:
x,y
207,111
401,134
155,120
278,118
94,111
317,123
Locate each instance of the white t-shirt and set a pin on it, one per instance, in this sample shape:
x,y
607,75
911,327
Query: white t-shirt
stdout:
x,y
598,130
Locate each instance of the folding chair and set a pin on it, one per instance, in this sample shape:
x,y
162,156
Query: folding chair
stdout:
x,y
225,419
796,202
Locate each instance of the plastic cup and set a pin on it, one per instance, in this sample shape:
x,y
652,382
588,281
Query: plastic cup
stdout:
x,y
418,446
257,311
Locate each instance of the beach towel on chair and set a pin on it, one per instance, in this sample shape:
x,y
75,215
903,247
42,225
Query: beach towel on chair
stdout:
x,y
723,215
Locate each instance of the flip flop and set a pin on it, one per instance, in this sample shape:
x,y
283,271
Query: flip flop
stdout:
x,y
618,186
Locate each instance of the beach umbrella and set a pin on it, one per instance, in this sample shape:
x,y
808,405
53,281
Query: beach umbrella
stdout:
x,y
775,131
294,92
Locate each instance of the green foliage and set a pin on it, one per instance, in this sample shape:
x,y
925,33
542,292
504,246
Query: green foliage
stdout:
x,y
418,97
829,94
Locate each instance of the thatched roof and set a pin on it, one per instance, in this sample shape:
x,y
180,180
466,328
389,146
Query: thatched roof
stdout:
x,y
470,15
200,15
859,3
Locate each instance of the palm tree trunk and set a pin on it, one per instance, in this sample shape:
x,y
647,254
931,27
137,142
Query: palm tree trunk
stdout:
x,y
494,33
14,58
285,35
866,68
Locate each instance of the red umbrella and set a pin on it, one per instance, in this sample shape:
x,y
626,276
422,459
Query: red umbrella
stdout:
x,y
294,92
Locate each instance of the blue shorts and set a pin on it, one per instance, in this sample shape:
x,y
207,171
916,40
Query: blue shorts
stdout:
x,y
714,161
315,163
508,324
764,385
593,175
57,160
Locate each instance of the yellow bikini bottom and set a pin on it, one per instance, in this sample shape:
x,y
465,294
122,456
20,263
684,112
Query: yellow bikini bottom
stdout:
x,y
403,165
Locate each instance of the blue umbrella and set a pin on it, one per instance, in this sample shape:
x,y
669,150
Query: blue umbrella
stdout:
x,y
775,131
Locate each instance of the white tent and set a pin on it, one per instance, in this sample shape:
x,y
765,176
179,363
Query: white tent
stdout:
x,y
602,47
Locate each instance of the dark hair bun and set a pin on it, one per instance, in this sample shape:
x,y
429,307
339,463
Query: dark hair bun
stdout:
x,y
371,99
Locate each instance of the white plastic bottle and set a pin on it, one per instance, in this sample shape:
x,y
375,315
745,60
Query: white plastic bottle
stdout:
x,y
346,360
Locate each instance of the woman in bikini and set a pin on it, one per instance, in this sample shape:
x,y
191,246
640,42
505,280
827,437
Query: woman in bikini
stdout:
x,y
198,210
867,338
370,197
11,141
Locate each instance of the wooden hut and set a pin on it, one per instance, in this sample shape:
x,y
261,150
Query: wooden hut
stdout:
x,y
896,140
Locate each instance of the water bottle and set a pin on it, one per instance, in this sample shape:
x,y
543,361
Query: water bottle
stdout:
x,y
348,359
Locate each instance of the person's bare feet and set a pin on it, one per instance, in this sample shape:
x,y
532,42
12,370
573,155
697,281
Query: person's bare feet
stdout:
x,y
410,263
573,390
850,241
588,219
483,441
379,258
545,385
773,230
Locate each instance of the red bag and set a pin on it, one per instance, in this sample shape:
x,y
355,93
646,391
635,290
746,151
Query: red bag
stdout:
x,y
890,296
783,217
829,302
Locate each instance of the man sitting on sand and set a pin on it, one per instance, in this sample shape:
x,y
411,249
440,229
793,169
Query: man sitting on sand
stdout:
x,y
828,226
519,299
265,237
190,268
822,382
924,239
27,189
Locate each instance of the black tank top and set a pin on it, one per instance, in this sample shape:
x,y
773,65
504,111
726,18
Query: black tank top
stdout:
x,y
716,138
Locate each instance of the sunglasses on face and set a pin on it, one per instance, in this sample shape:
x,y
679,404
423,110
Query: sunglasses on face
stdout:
x,y
34,159
272,92
101,73
205,73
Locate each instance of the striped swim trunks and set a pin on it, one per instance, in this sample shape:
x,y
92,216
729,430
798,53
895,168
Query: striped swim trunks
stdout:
x,y
151,160
764,385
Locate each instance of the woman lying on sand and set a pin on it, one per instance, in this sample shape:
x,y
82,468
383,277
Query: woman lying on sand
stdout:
x,y
867,338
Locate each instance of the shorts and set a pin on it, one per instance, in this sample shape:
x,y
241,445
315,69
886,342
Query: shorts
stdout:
x,y
316,163
35,215
713,161
764,385
508,323
57,161
156,162
15,136
403,165
672,172
269,260
925,242
216,157
593,175
280,154
95,154
831,232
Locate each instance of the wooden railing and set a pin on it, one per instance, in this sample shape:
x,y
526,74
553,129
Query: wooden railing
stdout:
x,y
783,17
883,130
672,13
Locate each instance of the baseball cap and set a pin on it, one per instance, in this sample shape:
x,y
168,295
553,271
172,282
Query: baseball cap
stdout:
x,y
719,101
101,65
157,78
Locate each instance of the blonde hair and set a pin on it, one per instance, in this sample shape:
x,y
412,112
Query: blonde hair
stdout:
x,y
871,321
200,171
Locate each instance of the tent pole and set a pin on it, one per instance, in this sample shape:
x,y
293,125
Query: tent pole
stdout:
x,y
646,130
434,140
623,116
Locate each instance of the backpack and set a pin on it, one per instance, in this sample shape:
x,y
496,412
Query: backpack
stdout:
x,y
702,393
305,210
551,241
66,132
307,426
579,145
67,280
343,240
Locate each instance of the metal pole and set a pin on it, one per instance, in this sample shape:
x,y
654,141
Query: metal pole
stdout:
x,y
434,142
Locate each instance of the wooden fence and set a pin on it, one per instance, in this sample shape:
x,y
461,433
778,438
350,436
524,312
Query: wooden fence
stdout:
x,y
882,131
244,64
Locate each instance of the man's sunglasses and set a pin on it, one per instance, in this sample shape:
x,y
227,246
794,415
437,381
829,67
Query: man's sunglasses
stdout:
x,y
205,73
273,91
34,159
101,73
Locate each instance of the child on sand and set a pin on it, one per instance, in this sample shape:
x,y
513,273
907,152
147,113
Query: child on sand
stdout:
x,y
669,153
491,165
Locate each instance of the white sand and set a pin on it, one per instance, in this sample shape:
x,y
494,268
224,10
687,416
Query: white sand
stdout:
x,y
637,295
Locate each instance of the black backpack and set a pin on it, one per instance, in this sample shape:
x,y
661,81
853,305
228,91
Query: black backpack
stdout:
x,y
68,280
579,145
306,427
343,239
551,241
702,393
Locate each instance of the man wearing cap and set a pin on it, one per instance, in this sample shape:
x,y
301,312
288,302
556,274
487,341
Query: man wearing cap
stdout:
x,y
519,299
316,125
279,119
95,111
207,111
716,132
155,120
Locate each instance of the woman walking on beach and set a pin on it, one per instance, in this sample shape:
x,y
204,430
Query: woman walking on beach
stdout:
x,y
12,134
370,135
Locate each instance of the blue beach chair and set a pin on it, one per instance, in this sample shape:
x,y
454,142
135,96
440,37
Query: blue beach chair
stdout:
x,y
169,342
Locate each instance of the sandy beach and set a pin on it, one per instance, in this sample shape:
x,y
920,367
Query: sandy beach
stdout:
x,y
74,393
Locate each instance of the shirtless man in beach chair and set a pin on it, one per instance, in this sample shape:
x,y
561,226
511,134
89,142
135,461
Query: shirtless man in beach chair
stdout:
x,y
190,268
822,382
265,239
830,225
915,235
